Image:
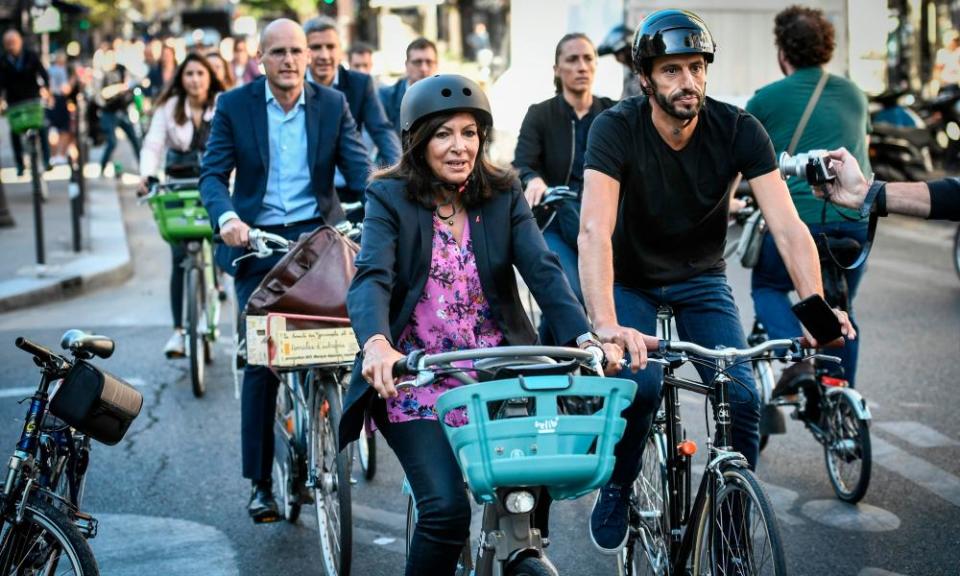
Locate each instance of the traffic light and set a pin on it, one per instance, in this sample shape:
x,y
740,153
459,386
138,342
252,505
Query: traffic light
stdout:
x,y
329,8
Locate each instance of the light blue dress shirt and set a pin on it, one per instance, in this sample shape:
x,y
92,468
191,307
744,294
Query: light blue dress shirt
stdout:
x,y
289,197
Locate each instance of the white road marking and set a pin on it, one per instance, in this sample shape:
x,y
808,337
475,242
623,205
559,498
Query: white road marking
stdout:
x,y
878,572
382,541
917,434
861,518
783,500
917,470
27,391
132,545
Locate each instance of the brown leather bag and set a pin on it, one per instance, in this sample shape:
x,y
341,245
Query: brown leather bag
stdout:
x,y
312,278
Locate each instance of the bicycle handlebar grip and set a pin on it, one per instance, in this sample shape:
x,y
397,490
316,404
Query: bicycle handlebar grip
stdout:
x,y
37,350
407,366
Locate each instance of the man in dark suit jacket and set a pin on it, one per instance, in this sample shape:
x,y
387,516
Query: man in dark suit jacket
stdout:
x,y
325,69
20,75
421,63
283,136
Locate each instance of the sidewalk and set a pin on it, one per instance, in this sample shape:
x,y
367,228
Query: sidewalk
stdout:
x,y
105,256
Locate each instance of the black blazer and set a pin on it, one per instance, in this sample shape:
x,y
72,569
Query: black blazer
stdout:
x,y
545,146
368,112
394,262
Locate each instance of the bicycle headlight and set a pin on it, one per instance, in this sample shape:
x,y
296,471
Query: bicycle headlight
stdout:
x,y
519,502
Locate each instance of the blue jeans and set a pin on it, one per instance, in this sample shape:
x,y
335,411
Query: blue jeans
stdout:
x,y
771,287
706,314
561,238
109,122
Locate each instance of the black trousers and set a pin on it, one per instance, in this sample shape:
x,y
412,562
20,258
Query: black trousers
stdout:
x,y
443,503
258,397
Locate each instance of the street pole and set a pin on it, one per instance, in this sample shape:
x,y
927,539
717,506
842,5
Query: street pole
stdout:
x,y
6,218
33,137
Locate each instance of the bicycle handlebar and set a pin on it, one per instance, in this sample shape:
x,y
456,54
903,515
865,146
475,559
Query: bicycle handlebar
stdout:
x,y
418,363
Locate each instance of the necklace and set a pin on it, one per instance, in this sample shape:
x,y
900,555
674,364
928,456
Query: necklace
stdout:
x,y
449,218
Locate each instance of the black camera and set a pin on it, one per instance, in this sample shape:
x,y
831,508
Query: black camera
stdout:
x,y
813,166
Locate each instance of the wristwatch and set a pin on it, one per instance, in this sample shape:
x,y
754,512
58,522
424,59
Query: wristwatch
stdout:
x,y
588,339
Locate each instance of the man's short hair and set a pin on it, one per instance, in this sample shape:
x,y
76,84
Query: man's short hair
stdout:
x,y
421,44
360,48
805,35
319,24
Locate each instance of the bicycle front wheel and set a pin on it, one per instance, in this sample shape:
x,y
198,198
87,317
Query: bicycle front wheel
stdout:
x,y
648,551
739,534
332,488
196,347
45,543
847,449
367,452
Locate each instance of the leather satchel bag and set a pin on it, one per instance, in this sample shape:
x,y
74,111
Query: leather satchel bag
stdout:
x,y
311,279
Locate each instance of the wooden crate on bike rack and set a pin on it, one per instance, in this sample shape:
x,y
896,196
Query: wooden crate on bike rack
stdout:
x,y
294,340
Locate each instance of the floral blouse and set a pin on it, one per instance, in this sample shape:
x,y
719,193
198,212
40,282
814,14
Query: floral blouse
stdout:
x,y
452,314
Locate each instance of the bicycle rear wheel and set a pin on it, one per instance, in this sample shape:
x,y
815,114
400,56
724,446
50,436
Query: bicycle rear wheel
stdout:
x,y
847,449
45,543
332,488
648,551
196,347
740,534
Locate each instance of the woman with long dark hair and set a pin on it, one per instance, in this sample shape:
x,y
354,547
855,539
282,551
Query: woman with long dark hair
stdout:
x,y
179,131
443,231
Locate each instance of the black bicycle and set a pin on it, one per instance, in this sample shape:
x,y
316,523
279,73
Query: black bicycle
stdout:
x,y
729,526
836,415
42,527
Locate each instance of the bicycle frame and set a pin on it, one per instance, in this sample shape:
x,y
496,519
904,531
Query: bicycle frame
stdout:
x,y
679,466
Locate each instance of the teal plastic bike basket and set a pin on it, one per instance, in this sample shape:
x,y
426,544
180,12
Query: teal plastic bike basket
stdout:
x,y
25,116
570,455
180,216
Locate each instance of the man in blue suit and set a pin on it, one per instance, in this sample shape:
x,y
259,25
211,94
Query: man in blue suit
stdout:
x,y
283,136
323,40
421,63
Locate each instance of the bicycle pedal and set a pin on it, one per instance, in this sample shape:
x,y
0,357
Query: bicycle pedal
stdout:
x,y
86,523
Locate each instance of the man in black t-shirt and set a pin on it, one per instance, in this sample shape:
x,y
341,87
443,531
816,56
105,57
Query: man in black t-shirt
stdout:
x,y
673,154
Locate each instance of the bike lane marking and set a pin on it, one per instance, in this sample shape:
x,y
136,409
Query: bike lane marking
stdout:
x,y
859,518
133,545
916,470
918,434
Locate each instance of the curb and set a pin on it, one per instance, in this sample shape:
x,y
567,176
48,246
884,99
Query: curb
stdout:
x,y
106,262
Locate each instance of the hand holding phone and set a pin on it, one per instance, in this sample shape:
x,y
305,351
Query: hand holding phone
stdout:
x,y
818,318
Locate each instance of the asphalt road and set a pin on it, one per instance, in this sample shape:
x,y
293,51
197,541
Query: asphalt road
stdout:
x,y
170,498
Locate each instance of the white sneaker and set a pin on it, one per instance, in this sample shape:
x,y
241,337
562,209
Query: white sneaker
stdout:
x,y
175,347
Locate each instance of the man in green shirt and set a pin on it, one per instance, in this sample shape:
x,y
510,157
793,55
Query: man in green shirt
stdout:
x,y
805,42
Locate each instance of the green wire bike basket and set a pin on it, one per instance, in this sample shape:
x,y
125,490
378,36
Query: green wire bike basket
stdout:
x,y
571,455
180,216
25,116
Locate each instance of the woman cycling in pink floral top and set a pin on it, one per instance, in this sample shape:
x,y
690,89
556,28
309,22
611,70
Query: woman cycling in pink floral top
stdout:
x,y
443,232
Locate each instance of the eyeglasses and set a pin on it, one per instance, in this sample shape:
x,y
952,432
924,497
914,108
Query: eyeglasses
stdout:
x,y
281,53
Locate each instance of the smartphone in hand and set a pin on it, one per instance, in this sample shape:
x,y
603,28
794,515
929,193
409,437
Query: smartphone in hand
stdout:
x,y
818,318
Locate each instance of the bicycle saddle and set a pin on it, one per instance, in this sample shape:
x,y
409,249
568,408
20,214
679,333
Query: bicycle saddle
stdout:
x,y
85,345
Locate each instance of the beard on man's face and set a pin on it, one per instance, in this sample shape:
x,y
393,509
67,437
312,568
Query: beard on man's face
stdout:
x,y
669,102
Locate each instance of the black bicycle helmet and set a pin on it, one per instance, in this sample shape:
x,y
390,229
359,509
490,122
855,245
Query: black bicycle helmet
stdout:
x,y
620,37
666,32
443,93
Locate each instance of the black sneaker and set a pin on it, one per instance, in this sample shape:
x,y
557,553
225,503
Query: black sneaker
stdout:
x,y
262,506
608,521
